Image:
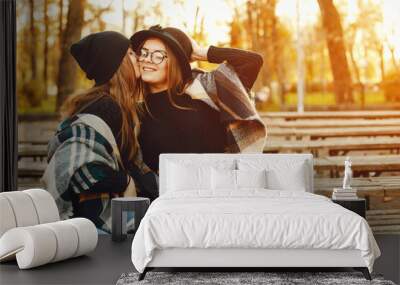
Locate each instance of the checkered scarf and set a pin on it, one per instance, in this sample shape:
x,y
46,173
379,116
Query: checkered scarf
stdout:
x,y
79,155
222,89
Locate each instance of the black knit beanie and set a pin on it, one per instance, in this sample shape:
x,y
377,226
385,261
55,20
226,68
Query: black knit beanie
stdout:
x,y
177,40
100,54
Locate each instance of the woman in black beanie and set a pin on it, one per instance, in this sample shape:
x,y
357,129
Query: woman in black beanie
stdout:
x,y
190,111
92,157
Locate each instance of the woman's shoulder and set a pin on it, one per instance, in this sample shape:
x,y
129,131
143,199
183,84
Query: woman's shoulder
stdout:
x,y
108,110
104,104
104,101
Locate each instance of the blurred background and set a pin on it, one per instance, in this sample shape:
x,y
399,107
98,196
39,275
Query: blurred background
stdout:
x,y
330,84
344,54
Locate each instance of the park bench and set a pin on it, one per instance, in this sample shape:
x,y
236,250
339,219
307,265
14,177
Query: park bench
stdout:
x,y
377,191
323,133
376,186
29,183
332,147
361,165
30,172
337,123
39,141
31,169
384,221
332,115
32,151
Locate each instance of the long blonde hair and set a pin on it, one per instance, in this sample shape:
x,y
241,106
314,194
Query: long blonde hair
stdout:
x,y
126,91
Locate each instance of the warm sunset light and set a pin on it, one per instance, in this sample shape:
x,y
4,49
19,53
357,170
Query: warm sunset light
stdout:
x,y
200,141
218,14
371,42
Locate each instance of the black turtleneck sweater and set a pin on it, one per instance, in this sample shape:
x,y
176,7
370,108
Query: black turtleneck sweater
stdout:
x,y
168,129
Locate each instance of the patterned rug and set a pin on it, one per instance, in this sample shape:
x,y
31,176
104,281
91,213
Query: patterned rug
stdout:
x,y
243,278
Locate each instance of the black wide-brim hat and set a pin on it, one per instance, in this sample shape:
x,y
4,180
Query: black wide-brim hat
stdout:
x,y
177,40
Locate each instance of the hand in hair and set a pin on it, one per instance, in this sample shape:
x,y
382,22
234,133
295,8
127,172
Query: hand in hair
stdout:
x,y
199,52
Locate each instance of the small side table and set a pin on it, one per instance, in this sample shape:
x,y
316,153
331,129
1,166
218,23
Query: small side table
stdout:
x,y
357,205
119,209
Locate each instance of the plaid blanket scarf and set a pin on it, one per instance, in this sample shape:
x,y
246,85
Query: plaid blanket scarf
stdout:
x,y
222,89
79,155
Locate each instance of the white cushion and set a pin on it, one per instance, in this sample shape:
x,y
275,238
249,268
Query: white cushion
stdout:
x,y
31,246
26,208
290,175
266,161
87,235
67,238
23,208
34,244
295,180
40,244
251,178
202,160
192,174
45,205
223,179
237,179
183,178
7,218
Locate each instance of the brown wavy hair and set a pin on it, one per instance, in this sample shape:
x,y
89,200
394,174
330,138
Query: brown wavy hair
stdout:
x,y
126,91
175,81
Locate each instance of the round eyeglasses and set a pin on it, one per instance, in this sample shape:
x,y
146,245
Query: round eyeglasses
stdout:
x,y
156,56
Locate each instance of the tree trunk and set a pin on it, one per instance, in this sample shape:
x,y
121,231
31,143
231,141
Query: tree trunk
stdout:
x,y
357,73
33,44
393,57
277,53
381,61
236,36
337,54
46,46
33,88
251,24
68,68
60,21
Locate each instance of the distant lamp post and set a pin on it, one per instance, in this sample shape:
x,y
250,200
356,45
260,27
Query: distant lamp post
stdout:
x,y
300,62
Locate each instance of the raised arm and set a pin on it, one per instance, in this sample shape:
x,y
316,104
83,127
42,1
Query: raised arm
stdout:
x,y
247,64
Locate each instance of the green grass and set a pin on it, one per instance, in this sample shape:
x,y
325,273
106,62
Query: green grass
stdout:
x,y
328,98
312,99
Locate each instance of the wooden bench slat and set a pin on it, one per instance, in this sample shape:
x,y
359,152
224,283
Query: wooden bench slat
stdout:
x,y
383,212
324,123
25,172
337,144
366,186
332,115
384,217
360,163
315,133
383,222
390,228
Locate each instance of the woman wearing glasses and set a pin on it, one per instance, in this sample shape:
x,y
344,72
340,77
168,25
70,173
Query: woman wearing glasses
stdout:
x,y
189,111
